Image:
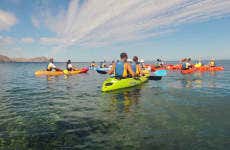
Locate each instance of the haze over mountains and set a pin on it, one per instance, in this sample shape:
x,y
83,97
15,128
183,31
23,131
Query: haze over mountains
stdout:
x,y
35,59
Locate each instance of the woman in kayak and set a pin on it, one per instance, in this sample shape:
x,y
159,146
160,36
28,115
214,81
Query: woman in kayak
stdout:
x,y
70,67
122,69
212,63
51,66
136,66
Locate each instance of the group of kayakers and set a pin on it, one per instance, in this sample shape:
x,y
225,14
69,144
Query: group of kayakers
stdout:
x,y
129,67
52,67
186,63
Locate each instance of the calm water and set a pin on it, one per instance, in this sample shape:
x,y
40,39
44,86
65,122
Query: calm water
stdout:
x,y
178,112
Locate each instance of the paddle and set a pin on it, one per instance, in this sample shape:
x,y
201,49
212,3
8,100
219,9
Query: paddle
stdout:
x,y
155,78
158,75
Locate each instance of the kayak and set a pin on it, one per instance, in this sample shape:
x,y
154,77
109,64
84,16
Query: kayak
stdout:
x,y
112,83
188,71
102,70
82,70
48,73
217,68
58,73
173,67
207,68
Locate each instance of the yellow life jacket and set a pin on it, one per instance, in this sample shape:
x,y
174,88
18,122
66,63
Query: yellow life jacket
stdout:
x,y
212,63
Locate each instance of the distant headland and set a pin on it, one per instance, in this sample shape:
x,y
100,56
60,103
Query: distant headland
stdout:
x,y
35,59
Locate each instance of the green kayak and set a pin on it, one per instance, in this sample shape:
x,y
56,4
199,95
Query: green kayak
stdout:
x,y
112,84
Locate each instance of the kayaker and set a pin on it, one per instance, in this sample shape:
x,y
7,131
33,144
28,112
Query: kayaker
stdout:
x,y
212,63
159,63
69,66
199,64
93,64
122,69
184,64
51,66
136,66
103,64
111,65
142,63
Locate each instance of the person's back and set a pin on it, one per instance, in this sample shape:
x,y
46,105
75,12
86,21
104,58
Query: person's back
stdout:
x,y
122,68
51,65
69,66
136,66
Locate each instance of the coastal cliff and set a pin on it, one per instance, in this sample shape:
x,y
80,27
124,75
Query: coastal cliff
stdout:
x,y
35,59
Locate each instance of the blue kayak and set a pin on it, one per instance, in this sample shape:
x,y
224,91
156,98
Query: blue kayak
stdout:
x,y
102,70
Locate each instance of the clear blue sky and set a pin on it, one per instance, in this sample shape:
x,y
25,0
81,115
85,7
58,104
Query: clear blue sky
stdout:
x,y
94,30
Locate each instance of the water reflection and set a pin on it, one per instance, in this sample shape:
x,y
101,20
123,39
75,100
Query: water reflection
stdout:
x,y
123,100
198,80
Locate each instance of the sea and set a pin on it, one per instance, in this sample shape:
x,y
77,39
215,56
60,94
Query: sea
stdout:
x,y
181,112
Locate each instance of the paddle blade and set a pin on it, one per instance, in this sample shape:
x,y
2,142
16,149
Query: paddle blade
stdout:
x,y
155,78
160,73
66,71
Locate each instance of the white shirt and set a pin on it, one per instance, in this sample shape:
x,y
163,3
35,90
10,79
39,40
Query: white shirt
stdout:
x,y
69,66
51,66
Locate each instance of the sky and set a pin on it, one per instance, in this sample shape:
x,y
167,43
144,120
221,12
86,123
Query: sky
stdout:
x,y
85,30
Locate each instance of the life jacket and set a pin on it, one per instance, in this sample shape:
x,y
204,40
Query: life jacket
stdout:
x,y
121,69
212,63
184,66
135,68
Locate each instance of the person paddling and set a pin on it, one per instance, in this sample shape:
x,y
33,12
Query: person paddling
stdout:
x,y
70,67
212,63
51,66
136,66
122,69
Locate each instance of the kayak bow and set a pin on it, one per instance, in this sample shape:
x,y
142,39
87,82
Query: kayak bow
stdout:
x,y
112,84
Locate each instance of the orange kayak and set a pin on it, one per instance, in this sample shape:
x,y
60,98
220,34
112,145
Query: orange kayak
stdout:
x,y
207,68
173,67
188,71
58,73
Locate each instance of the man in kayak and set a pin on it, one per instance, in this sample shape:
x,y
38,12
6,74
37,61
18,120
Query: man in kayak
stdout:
x,y
122,68
70,67
136,66
186,64
159,63
103,64
52,67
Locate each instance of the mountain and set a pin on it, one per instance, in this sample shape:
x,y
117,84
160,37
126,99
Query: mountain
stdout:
x,y
4,58
35,59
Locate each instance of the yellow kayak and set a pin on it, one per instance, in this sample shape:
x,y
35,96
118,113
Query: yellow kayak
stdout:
x,y
58,73
112,83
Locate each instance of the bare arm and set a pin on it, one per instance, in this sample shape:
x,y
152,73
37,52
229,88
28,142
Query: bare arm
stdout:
x,y
112,69
130,70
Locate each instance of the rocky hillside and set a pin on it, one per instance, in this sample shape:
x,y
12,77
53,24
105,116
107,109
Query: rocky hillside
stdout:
x,y
4,58
36,59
